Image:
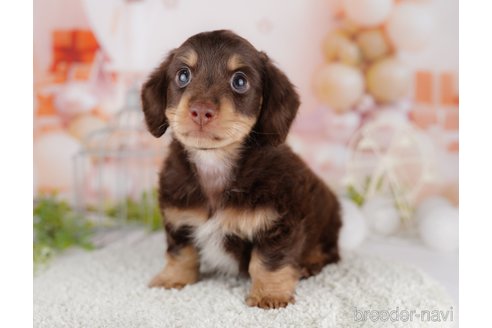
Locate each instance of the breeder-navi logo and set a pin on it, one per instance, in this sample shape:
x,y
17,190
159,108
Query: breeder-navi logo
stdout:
x,y
403,315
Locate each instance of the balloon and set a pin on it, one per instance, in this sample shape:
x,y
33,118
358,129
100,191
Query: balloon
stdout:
x,y
367,13
372,44
339,86
428,205
439,228
337,46
53,155
349,53
410,26
388,80
382,215
354,226
83,125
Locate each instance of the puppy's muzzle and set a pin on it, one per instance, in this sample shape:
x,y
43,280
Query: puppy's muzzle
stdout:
x,y
202,113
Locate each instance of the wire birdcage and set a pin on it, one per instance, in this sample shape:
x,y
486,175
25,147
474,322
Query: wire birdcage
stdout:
x,y
116,171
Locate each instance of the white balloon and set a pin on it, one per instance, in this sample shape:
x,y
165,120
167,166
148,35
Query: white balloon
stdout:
x,y
354,226
410,26
428,205
367,12
439,228
53,160
382,215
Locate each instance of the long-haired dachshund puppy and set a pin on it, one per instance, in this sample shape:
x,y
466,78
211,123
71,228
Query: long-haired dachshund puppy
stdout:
x,y
233,194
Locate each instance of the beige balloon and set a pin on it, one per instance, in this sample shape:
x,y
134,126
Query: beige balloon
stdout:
x,y
331,44
349,53
372,44
367,13
83,125
388,80
338,86
337,46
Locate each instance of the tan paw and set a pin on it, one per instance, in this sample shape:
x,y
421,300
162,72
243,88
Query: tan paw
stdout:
x,y
270,301
167,281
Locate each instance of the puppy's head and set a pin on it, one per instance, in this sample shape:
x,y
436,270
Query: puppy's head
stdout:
x,y
216,89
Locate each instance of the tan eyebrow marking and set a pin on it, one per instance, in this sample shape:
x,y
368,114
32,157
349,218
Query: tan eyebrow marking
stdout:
x,y
234,62
190,57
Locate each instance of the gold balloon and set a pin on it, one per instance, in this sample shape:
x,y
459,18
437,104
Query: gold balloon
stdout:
x,y
337,46
331,43
349,53
372,44
388,80
338,86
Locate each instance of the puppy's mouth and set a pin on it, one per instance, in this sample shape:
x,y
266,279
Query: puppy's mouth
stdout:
x,y
202,134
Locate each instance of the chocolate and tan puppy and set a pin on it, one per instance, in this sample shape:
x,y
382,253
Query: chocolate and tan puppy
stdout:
x,y
233,193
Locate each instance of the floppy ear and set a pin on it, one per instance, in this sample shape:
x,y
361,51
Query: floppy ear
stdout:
x,y
154,99
279,106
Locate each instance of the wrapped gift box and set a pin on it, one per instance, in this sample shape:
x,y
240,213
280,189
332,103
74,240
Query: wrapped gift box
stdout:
x,y
72,47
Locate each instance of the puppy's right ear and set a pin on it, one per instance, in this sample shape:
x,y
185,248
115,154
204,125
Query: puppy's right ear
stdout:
x,y
154,98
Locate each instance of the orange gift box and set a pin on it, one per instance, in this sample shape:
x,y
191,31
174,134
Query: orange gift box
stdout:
x,y
73,46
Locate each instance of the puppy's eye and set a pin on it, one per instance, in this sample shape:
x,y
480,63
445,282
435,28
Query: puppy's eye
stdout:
x,y
239,83
183,77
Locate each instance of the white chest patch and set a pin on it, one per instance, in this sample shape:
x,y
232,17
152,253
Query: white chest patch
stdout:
x,y
214,167
209,238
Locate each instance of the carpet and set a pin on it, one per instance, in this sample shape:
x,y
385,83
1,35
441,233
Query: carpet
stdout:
x,y
107,288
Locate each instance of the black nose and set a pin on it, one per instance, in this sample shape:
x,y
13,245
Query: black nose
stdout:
x,y
203,113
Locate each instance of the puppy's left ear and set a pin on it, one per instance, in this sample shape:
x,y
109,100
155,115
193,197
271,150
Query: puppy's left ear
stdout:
x,y
279,106
154,99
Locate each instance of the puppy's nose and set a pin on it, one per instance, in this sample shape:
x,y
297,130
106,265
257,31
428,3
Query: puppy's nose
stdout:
x,y
203,113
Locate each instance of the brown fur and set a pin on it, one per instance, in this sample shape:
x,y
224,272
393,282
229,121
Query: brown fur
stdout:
x,y
278,220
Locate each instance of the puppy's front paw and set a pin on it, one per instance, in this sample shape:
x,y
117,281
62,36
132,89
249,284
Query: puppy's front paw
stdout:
x,y
181,269
164,280
270,301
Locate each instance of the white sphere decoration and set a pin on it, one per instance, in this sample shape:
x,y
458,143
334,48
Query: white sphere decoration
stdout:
x,y
53,154
382,215
428,205
439,228
410,26
354,226
367,12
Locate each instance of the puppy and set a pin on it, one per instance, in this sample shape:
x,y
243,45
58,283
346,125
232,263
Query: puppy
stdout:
x,y
234,196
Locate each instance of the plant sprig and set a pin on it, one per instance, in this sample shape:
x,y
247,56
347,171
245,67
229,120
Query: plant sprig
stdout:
x,y
56,228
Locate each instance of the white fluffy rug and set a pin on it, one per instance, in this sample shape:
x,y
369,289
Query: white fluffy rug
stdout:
x,y
107,288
